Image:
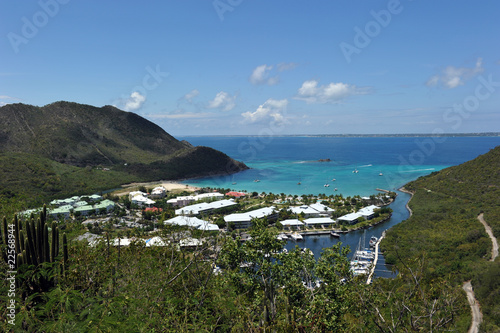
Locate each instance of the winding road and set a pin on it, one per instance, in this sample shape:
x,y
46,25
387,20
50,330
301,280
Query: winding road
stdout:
x,y
494,250
477,316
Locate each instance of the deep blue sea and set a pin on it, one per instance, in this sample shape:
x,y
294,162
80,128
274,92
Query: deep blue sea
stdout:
x,y
280,163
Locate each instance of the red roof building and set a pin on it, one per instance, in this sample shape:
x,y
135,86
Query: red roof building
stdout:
x,y
235,194
153,209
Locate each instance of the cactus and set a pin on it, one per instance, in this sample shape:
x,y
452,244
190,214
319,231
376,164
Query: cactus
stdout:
x,y
4,231
46,248
32,243
53,252
65,252
16,235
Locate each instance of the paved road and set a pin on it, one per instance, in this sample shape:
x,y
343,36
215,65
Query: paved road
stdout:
x,y
494,251
477,316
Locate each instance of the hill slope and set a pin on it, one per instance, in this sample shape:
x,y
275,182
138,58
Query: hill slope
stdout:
x,y
444,230
41,146
83,135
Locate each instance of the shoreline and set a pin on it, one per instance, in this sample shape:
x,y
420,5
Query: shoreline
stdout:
x,y
169,185
402,189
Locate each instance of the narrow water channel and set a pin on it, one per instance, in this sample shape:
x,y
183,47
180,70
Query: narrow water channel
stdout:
x,y
318,242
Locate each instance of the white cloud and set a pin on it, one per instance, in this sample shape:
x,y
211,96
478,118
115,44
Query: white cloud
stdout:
x,y
331,93
190,95
223,101
186,115
260,75
452,77
271,108
134,102
286,66
4,100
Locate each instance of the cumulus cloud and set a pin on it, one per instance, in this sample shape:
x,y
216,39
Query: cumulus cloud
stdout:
x,y
4,100
286,66
223,101
452,77
271,108
134,102
185,115
311,92
190,95
260,75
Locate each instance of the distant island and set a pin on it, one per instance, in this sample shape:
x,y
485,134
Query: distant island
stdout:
x,y
395,135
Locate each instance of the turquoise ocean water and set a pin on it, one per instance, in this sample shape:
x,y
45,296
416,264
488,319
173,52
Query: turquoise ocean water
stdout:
x,y
280,163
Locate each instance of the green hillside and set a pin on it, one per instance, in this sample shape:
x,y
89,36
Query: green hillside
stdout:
x,y
445,234
66,148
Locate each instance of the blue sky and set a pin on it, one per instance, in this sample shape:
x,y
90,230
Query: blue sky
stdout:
x,y
261,67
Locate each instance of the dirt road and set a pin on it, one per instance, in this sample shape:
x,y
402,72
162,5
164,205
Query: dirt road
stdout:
x,y
494,250
477,316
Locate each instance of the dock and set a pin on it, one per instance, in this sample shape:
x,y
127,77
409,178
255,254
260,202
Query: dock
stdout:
x,y
372,270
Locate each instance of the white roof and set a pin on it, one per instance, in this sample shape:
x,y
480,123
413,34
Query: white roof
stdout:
x,y
321,208
319,220
208,195
304,208
193,222
291,222
141,199
203,206
350,217
368,210
134,193
248,216
190,242
156,241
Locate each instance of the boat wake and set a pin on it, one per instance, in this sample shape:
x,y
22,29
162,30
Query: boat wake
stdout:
x,y
418,170
366,166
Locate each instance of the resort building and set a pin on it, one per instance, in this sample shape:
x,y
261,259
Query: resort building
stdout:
x,y
106,205
158,193
244,220
61,212
95,197
350,218
313,210
235,194
368,212
181,201
306,210
141,200
204,207
319,222
186,200
209,196
322,209
292,224
63,202
84,210
193,222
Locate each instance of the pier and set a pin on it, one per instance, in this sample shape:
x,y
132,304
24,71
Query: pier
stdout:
x,y
372,270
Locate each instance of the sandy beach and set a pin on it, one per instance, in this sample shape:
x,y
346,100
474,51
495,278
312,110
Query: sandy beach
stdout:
x,y
171,186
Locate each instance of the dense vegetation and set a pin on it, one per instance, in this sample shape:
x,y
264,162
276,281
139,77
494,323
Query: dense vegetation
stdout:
x,y
444,230
223,284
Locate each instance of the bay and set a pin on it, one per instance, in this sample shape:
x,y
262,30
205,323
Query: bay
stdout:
x,y
280,163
